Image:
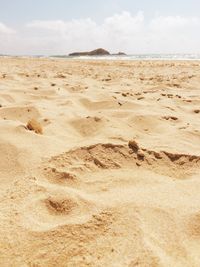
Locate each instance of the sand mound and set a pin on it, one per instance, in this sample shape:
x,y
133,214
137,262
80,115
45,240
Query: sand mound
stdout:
x,y
111,156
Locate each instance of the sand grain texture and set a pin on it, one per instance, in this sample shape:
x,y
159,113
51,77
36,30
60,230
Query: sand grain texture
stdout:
x,y
99,163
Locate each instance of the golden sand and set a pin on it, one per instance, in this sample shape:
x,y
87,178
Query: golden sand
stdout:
x,y
113,180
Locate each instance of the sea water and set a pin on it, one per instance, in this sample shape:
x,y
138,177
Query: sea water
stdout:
x,y
121,57
138,57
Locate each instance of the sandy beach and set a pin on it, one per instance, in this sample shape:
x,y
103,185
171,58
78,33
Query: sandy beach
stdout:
x,y
99,163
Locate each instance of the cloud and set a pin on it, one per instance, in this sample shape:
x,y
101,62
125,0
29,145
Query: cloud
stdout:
x,y
120,32
175,34
5,30
7,36
173,23
86,34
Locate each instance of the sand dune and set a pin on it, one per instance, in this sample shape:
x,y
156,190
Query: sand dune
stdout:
x,y
99,163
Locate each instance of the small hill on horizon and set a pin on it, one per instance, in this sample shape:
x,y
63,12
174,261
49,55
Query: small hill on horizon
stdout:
x,y
96,52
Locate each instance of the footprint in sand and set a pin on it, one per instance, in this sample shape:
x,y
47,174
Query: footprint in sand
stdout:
x,y
21,113
57,208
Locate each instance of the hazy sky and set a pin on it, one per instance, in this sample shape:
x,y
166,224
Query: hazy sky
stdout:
x,y
62,26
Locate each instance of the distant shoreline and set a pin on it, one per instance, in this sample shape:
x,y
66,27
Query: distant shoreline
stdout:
x,y
116,57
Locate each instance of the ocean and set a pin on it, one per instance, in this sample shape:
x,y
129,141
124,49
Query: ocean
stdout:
x,y
123,57
138,57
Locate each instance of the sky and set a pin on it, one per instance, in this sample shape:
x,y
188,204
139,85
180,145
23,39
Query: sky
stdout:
x,y
52,27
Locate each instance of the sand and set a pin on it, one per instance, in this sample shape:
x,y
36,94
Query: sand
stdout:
x,y
99,163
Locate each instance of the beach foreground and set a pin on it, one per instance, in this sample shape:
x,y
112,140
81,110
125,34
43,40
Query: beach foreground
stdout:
x,y
107,173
